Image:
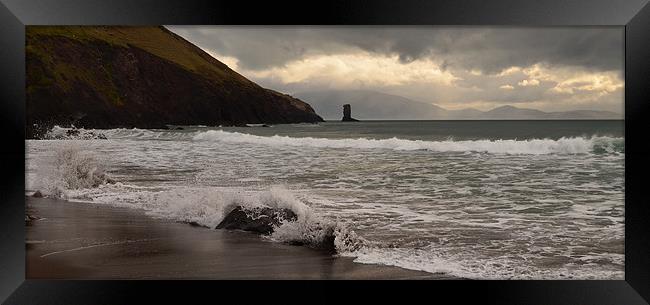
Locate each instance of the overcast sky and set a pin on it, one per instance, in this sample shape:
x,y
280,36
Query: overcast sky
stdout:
x,y
551,69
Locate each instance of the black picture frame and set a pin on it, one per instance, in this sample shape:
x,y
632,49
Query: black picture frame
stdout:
x,y
634,15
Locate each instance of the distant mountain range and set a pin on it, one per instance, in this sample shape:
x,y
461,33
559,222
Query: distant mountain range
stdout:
x,y
372,105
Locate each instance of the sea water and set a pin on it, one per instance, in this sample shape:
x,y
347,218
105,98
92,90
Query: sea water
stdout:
x,y
474,199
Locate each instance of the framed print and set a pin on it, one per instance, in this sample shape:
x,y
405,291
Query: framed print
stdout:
x,y
196,147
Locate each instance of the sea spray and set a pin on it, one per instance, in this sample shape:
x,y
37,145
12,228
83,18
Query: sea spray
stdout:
x,y
72,133
310,228
75,169
418,212
207,207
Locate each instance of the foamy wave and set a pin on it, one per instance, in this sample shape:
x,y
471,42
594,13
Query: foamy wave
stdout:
x,y
472,267
75,169
576,145
73,133
78,175
313,230
146,134
207,207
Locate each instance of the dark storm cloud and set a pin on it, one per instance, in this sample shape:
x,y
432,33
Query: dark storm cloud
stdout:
x,y
468,48
561,68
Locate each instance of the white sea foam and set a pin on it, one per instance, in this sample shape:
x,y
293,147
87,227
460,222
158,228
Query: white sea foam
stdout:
x,y
73,133
472,267
576,145
80,178
74,169
62,133
426,218
208,207
56,132
310,228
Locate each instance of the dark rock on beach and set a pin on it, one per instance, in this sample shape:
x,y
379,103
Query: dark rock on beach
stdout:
x,y
263,220
326,244
97,77
260,220
144,247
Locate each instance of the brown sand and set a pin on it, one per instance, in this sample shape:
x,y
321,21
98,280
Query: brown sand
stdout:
x,y
93,241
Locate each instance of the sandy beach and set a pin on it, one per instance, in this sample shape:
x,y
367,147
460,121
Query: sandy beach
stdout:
x,y
91,241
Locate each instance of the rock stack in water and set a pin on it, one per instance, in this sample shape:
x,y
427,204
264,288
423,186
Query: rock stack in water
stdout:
x,y
347,114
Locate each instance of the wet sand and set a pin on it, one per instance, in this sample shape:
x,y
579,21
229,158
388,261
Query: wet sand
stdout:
x,y
92,241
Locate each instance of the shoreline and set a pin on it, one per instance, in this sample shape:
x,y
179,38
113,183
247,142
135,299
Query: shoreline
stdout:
x,y
74,240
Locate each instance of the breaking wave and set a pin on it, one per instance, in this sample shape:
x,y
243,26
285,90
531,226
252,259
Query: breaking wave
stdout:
x,y
73,133
564,145
311,229
75,169
79,177
209,206
574,145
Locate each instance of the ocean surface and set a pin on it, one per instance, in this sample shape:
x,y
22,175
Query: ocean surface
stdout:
x,y
474,199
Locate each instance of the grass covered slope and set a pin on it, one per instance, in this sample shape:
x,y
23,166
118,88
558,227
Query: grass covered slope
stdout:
x,y
145,77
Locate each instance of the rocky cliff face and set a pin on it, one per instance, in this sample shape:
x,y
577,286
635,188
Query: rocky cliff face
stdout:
x,y
145,77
